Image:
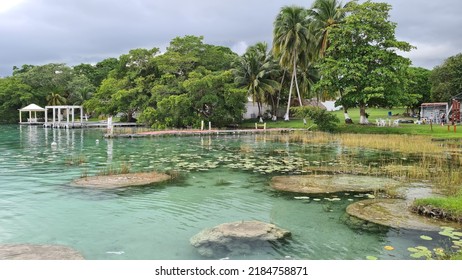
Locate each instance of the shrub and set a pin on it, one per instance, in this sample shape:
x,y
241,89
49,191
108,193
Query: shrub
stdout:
x,y
326,121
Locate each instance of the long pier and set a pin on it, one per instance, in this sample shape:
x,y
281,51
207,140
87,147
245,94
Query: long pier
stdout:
x,y
194,132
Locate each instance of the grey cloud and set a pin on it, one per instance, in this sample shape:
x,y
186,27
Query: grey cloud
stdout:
x,y
43,31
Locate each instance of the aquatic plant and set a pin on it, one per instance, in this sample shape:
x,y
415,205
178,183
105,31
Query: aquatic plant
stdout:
x,y
124,168
75,160
453,251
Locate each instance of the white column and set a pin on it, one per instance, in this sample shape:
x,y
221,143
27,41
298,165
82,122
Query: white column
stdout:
x,y
73,115
46,117
54,114
59,115
20,117
67,115
81,115
30,115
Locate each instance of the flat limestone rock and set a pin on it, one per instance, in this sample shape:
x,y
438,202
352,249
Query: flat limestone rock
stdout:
x,y
38,252
318,184
122,180
394,213
241,237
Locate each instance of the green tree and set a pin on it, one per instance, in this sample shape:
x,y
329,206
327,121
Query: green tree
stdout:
x,y
128,87
291,39
47,79
446,79
14,94
362,61
253,71
173,111
216,97
418,89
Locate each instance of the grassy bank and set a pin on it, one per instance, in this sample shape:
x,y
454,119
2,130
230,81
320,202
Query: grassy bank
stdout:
x,y
434,131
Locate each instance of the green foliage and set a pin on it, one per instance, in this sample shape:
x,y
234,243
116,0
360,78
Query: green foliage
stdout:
x,y
175,111
326,121
215,97
446,79
451,205
361,63
14,94
253,72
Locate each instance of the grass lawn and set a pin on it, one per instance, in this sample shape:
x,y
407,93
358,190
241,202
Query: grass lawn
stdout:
x,y
453,204
435,131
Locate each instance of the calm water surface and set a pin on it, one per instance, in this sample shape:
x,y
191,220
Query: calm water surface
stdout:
x,y
38,205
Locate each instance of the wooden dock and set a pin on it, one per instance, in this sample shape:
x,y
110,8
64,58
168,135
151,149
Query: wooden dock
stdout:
x,y
193,132
70,125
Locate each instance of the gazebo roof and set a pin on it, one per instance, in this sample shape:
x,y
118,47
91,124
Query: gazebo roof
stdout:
x,y
32,107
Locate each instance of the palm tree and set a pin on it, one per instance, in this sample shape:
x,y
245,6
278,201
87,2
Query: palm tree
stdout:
x,y
291,38
326,14
55,99
252,70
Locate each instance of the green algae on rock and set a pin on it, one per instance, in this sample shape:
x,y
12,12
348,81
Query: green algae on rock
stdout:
x,y
122,180
318,184
38,252
393,213
236,238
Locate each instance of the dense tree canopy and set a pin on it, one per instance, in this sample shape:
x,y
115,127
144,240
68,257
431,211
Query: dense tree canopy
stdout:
x,y
331,50
446,79
362,61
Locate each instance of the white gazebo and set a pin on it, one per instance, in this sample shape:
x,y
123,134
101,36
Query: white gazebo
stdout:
x,y
31,108
58,118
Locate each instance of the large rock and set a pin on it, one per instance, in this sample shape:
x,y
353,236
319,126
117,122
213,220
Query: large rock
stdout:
x,y
319,184
122,180
38,252
394,213
236,238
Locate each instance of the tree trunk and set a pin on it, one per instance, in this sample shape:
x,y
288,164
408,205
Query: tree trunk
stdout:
x,y
259,105
286,116
296,84
275,110
348,120
362,114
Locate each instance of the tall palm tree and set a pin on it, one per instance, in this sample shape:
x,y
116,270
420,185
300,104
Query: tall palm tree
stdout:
x,y
326,14
291,38
253,70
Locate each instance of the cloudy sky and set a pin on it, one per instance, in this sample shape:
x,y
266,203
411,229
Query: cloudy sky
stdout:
x,y
75,31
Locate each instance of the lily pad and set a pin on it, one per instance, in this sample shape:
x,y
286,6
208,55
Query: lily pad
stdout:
x,y
425,237
420,252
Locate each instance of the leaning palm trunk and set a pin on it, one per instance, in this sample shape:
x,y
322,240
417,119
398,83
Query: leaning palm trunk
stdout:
x,y
286,116
296,85
275,110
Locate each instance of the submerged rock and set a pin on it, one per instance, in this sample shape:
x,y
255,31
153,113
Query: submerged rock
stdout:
x,y
122,180
318,184
236,238
393,213
38,252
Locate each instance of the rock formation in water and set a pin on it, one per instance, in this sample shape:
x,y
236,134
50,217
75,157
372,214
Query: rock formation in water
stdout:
x,y
319,184
237,238
121,180
393,213
38,252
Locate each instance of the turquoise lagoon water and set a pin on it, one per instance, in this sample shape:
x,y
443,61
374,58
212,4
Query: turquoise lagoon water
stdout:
x,y
225,179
